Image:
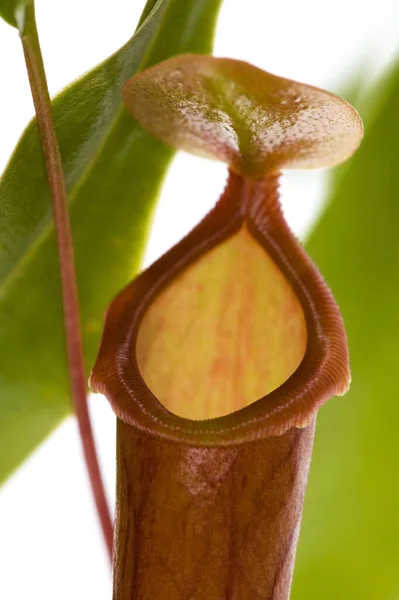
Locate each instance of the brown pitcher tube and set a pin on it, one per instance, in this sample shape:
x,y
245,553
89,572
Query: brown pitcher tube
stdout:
x,y
208,523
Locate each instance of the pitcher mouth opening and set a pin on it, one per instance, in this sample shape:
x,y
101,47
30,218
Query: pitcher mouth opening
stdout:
x,y
224,332
318,370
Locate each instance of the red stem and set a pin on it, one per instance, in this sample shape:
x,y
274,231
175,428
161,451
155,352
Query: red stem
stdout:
x,y
52,158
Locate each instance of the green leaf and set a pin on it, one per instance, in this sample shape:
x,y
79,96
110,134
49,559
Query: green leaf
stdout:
x,y
349,541
12,11
232,111
113,171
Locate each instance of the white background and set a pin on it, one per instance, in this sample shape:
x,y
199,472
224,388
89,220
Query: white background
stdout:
x,y
50,545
